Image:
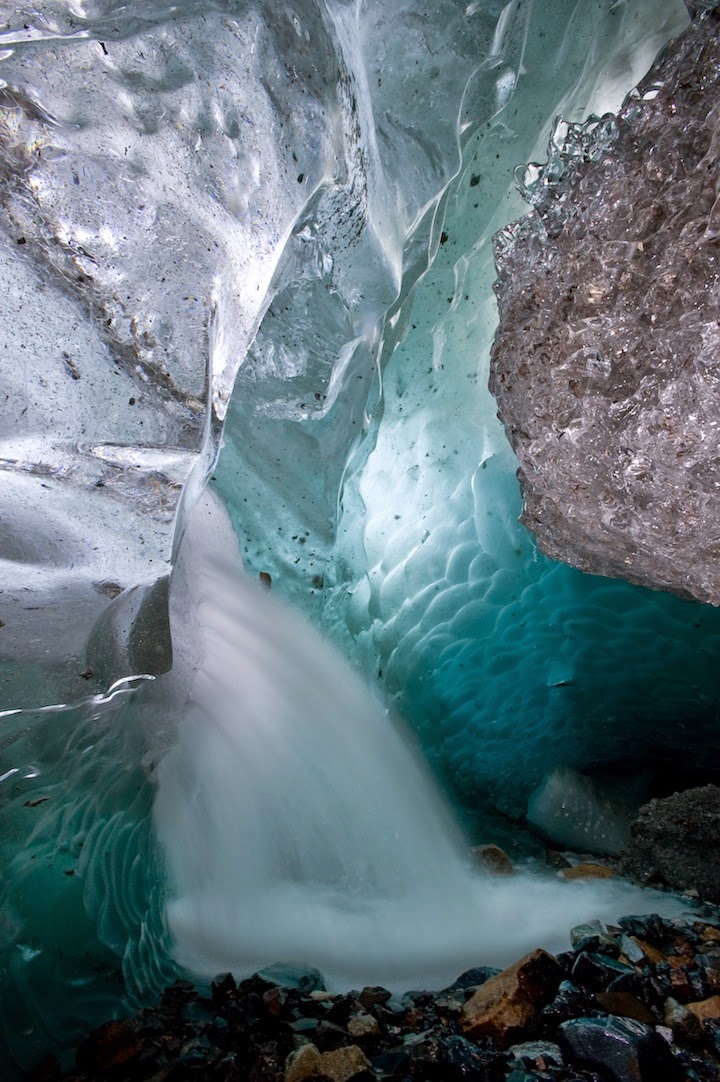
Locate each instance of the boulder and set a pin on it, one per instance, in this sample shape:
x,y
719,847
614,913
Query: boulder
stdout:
x,y
493,859
676,842
340,1065
628,1051
604,364
506,1004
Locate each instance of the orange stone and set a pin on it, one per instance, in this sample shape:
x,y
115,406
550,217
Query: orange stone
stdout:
x,y
504,1006
705,1008
493,859
587,871
651,953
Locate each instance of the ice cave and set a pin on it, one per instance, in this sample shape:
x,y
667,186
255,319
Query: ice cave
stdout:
x,y
275,646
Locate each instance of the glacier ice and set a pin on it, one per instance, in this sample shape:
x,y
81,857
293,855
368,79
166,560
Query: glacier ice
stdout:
x,y
251,242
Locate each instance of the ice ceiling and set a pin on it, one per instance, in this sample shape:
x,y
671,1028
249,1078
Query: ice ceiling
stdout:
x,y
251,242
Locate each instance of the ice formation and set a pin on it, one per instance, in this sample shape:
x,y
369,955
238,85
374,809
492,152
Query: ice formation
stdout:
x,y
267,226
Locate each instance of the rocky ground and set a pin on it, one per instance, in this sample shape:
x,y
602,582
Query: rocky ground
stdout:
x,y
639,1002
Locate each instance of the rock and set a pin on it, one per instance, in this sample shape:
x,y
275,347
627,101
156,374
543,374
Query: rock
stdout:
x,y
395,1064
705,1008
302,1063
597,971
676,841
338,1065
626,1005
593,937
493,859
710,966
650,927
505,1005
569,1002
627,1050
541,1055
587,871
471,979
373,995
681,1020
571,809
304,978
461,1059
604,364
363,1025
330,1036
631,949
109,1046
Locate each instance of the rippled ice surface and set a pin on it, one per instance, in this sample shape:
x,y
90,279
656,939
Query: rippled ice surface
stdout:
x,y
206,195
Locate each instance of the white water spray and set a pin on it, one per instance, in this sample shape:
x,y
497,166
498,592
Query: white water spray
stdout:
x,y
298,824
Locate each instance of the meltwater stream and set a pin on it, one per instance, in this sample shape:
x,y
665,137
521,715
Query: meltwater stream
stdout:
x,y
298,823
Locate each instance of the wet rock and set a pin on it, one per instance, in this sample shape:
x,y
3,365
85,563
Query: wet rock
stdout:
x,y
569,1002
505,1005
705,1009
394,1064
593,937
709,965
493,859
627,1050
223,988
631,949
339,1065
681,1020
471,979
109,1046
676,841
587,870
329,1036
462,1059
538,1054
626,1005
596,971
372,995
304,1025
363,1025
304,978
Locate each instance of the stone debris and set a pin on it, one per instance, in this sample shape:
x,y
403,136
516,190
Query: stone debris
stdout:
x,y
676,843
636,1002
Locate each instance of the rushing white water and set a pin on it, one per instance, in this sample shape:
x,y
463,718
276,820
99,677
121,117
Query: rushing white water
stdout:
x,y
298,823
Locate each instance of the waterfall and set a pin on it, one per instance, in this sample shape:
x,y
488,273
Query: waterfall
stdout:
x,y
298,823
